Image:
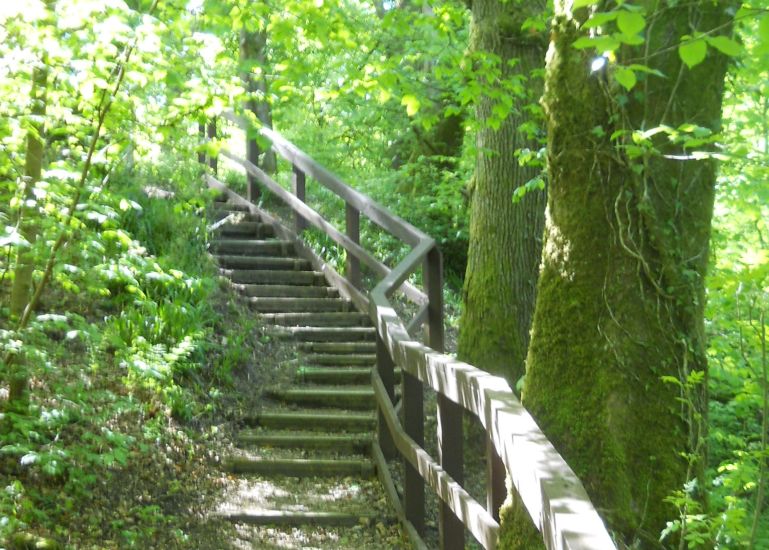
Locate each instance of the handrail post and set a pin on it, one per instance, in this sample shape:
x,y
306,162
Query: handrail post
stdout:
x,y
252,156
352,218
212,161
414,425
496,476
386,369
450,437
433,278
298,183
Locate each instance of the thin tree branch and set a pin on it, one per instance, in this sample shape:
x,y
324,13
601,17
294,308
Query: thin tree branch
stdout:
x,y
105,103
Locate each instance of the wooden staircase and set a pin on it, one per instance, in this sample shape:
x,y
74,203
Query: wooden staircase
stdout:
x,y
320,427
325,417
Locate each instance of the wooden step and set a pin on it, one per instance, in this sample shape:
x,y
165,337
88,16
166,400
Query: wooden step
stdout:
x,y
252,229
286,291
350,443
218,215
317,319
297,305
334,375
338,375
342,397
339,359
281,518
314,420
276,277
219,206
300,467
234,261
338,347
325,334
253,247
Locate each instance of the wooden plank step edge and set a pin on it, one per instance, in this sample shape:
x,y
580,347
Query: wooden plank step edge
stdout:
x,y
323,334
310,419
290,439
295,519
300,467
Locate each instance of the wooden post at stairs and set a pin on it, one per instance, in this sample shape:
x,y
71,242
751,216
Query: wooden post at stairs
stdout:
x,y
352,216
298,183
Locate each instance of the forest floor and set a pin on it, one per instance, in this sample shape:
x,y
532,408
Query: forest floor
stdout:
x,y
165,491
162,492
102,462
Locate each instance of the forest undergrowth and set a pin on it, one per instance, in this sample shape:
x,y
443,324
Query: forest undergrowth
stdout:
x,y
143,364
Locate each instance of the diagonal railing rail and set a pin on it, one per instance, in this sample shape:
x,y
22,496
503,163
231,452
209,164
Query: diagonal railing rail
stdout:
x,y
516,447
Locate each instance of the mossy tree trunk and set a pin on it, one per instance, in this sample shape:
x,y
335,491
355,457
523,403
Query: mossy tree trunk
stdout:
x,y
505,237
621,294
25,259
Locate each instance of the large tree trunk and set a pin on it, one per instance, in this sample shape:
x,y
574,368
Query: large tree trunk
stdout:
x,y
620,299
505,237
25,260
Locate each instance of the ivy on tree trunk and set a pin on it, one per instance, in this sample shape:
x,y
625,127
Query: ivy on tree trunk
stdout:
x,y
616,371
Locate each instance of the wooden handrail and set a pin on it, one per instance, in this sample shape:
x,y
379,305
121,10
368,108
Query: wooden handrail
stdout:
x,y
372,210
478,520
549,489
314,218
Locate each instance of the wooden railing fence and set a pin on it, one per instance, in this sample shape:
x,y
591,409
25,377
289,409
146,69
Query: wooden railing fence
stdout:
x,y
516,447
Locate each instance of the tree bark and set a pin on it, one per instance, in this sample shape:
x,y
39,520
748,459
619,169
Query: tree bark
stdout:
x,y
505,237
253,53
621,294
25,259
33,168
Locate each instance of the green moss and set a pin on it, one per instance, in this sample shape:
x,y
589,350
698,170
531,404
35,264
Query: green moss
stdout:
x,y
503,256
517,531
488,333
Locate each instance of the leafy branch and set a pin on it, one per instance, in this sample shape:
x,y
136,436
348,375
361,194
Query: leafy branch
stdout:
x,y
105,103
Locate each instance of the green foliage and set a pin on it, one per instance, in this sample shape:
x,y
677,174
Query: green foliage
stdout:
x,y
365,92
738,299
117,328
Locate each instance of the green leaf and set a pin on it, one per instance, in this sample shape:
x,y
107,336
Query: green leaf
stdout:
x,y
626,77
725,45
630,23
630,39
692,52
646,69
583,3
599,19
412,104
600,43
616,134
763,35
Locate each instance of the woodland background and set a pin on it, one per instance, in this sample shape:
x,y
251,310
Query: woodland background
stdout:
x,y
111,328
